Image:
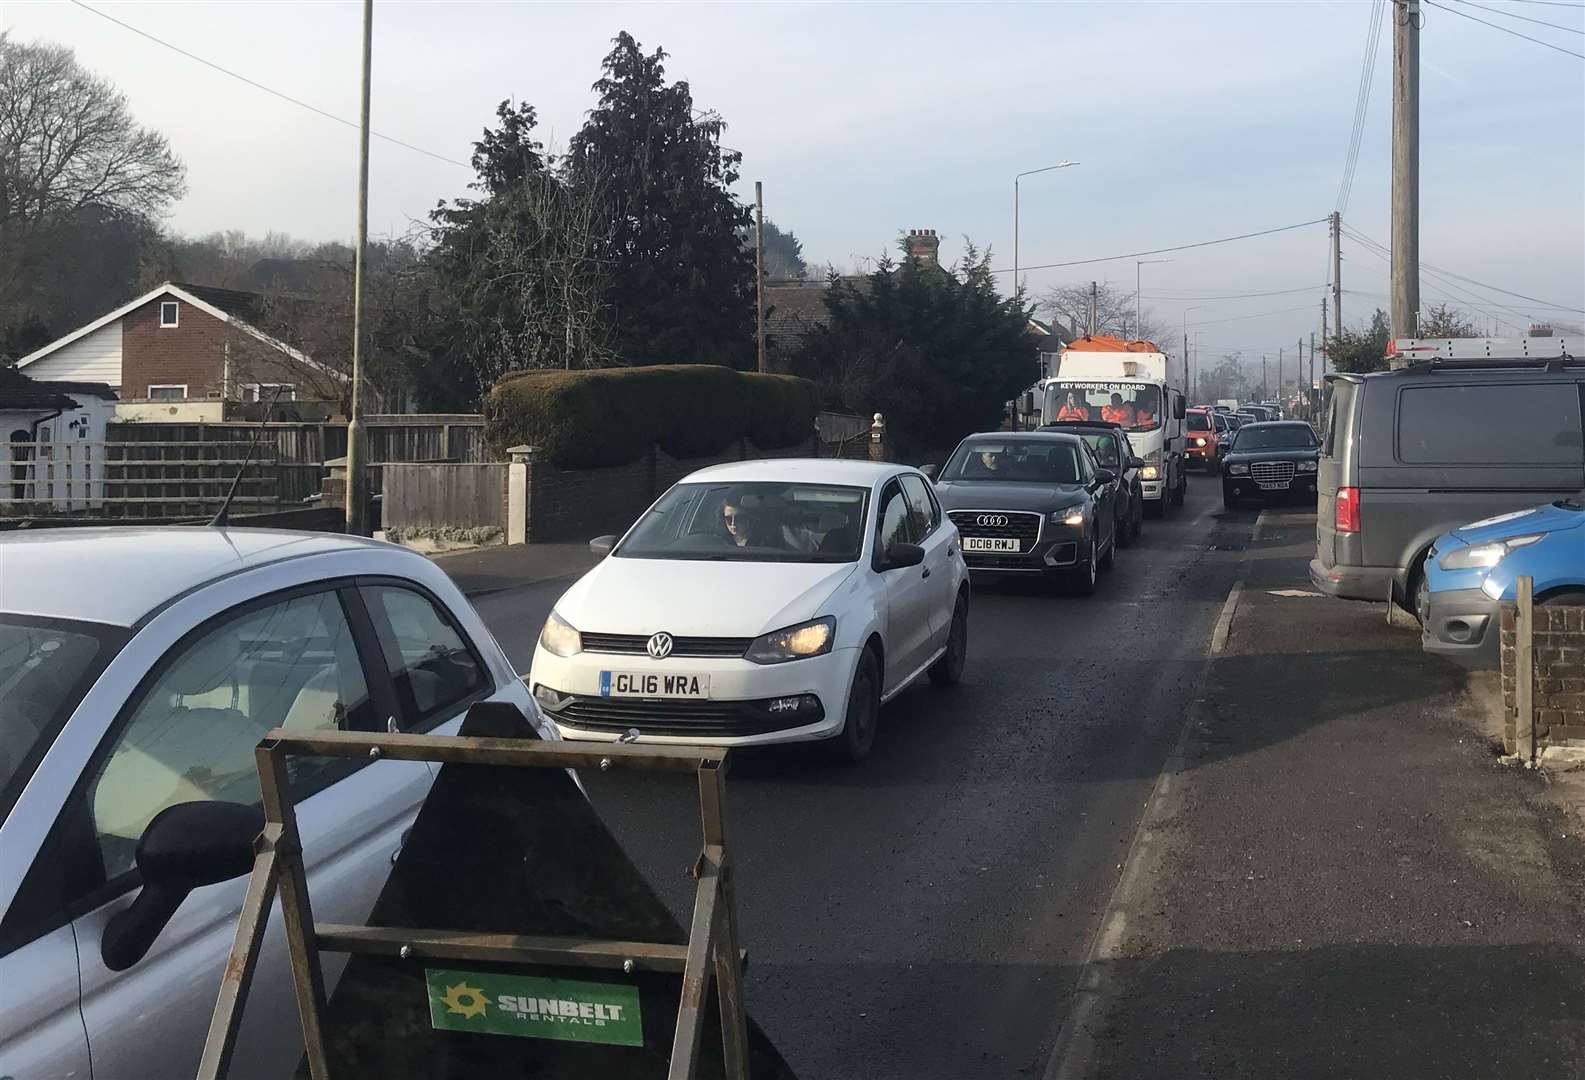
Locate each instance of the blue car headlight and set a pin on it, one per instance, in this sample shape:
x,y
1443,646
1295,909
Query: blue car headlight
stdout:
x,y
1481,556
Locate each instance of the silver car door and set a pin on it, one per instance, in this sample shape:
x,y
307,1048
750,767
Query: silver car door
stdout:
x,y
291,661
41,1027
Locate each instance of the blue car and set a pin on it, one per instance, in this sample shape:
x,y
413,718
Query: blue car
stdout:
x,y
1470,572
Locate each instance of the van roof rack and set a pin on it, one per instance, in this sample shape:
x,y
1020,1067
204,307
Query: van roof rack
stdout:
x,y
1480,352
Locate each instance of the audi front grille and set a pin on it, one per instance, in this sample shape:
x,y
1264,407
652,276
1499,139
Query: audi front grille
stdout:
x,y
1018,525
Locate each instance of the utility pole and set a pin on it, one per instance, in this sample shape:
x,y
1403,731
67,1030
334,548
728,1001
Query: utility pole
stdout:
x,y
1264,394
1279,374
1337,279
1323,335
357,503
759,274
1093,291
1309,396
1298,375
1405,286
1139,318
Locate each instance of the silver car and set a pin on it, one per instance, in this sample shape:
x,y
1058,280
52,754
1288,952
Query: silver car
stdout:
x,y
138,669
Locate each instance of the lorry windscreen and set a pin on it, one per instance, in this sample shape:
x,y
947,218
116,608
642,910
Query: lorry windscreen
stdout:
x,y
1136,406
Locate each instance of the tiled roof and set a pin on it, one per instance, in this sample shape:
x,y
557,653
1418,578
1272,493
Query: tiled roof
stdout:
x,y
791,311
33,397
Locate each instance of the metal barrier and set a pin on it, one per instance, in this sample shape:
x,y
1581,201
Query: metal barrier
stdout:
x,y
711,950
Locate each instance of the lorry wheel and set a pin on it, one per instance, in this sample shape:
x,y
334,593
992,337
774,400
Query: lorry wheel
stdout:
x,y
1182,489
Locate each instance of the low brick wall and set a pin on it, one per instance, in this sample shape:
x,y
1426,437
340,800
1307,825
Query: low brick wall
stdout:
x,y
579,504
1559,649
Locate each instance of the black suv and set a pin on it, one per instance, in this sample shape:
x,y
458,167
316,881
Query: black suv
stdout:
x,y
1113,453
1408,455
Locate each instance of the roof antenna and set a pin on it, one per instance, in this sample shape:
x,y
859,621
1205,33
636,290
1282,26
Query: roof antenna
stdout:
x,y
222,516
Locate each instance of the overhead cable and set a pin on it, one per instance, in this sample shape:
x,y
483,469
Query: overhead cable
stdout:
x,y
1158,251
1367,73
267,89
1504,29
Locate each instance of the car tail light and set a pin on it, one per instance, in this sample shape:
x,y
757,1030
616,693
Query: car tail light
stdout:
x,y
1347,518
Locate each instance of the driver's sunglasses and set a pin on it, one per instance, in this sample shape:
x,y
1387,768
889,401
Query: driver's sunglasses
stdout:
x,y
729,518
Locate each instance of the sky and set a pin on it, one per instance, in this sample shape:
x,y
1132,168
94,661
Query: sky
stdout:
x,y
1189,121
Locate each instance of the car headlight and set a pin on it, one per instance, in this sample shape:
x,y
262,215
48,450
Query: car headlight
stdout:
x,y
1199,442
1307,466
1072,515
812,638
559,638
1484,555
1236,469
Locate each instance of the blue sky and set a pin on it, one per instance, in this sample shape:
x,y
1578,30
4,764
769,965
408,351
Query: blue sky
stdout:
x,y
1191,121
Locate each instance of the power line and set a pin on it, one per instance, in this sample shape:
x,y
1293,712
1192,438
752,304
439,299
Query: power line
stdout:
x,y
1189,294
1355,234
1521,18
1504,29
1158,251
1456,295
1551,3
267,89
1367,74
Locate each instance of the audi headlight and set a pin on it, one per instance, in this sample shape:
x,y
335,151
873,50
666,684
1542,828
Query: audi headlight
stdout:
x,y
1238,470
559,638
1307,466
1484,555
812,638
1072,515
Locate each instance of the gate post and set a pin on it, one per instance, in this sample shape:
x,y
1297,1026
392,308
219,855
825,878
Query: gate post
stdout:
x,y
519,476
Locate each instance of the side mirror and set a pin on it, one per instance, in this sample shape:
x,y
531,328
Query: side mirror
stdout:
x,y
930,471
1177,408
602,545
902,556
185,847
1104,476
1026,403
1136,462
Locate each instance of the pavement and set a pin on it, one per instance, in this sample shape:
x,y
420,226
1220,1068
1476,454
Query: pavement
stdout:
x,y
1174,829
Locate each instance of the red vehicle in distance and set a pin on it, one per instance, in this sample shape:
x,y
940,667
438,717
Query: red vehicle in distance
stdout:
x,y
1204,438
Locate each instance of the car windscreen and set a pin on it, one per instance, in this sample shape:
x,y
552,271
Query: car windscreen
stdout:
x,y
46,666
1276,437
1105,448
1136,406
1014,461
1198,422
751,522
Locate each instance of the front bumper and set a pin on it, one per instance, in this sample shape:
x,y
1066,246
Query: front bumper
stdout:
x,y
1353,582
1057,549
1463,625
1302,484
735,714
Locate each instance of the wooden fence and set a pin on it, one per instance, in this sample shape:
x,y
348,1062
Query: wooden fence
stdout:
x,y
432,499
146,479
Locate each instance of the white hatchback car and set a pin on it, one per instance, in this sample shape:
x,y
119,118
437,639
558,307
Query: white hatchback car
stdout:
x,y
760,602
138,670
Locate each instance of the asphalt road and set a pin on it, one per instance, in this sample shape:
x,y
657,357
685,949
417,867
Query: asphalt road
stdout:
x,y
925,914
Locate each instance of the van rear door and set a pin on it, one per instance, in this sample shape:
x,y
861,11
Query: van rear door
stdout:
x,y
1336,466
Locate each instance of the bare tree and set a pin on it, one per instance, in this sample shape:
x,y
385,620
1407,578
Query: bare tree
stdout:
x,y
1114,311
69,147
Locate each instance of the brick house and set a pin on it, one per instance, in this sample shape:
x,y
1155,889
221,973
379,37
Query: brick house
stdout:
x,y
184,342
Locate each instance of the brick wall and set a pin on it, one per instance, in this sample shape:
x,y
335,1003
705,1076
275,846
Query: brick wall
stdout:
x,y
580,504
193,353
1559,649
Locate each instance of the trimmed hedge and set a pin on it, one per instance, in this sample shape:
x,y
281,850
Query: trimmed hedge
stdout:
x,y
611,416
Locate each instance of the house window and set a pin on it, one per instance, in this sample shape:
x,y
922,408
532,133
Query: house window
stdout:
x,y
266,391
167,313
168,392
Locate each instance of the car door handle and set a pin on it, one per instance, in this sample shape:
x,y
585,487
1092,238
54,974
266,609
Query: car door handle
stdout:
x,y
926,573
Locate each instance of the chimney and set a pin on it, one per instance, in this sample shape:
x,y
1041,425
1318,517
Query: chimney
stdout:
x,y
1540,330
923,244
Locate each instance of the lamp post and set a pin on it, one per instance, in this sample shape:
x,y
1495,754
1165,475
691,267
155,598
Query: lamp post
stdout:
x,y
1016,178
1188,383
1139,320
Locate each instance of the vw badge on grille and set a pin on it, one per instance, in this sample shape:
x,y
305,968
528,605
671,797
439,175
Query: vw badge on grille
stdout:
x,y
660,645
992,521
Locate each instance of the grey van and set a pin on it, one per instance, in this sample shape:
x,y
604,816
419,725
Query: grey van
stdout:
x,y
1408,455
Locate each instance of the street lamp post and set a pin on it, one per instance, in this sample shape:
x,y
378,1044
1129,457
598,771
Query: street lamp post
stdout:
x,y
1016,178
1139,319
1188,382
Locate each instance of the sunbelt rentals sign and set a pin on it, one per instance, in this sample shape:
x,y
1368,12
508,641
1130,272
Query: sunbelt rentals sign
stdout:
x,y
535,1007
